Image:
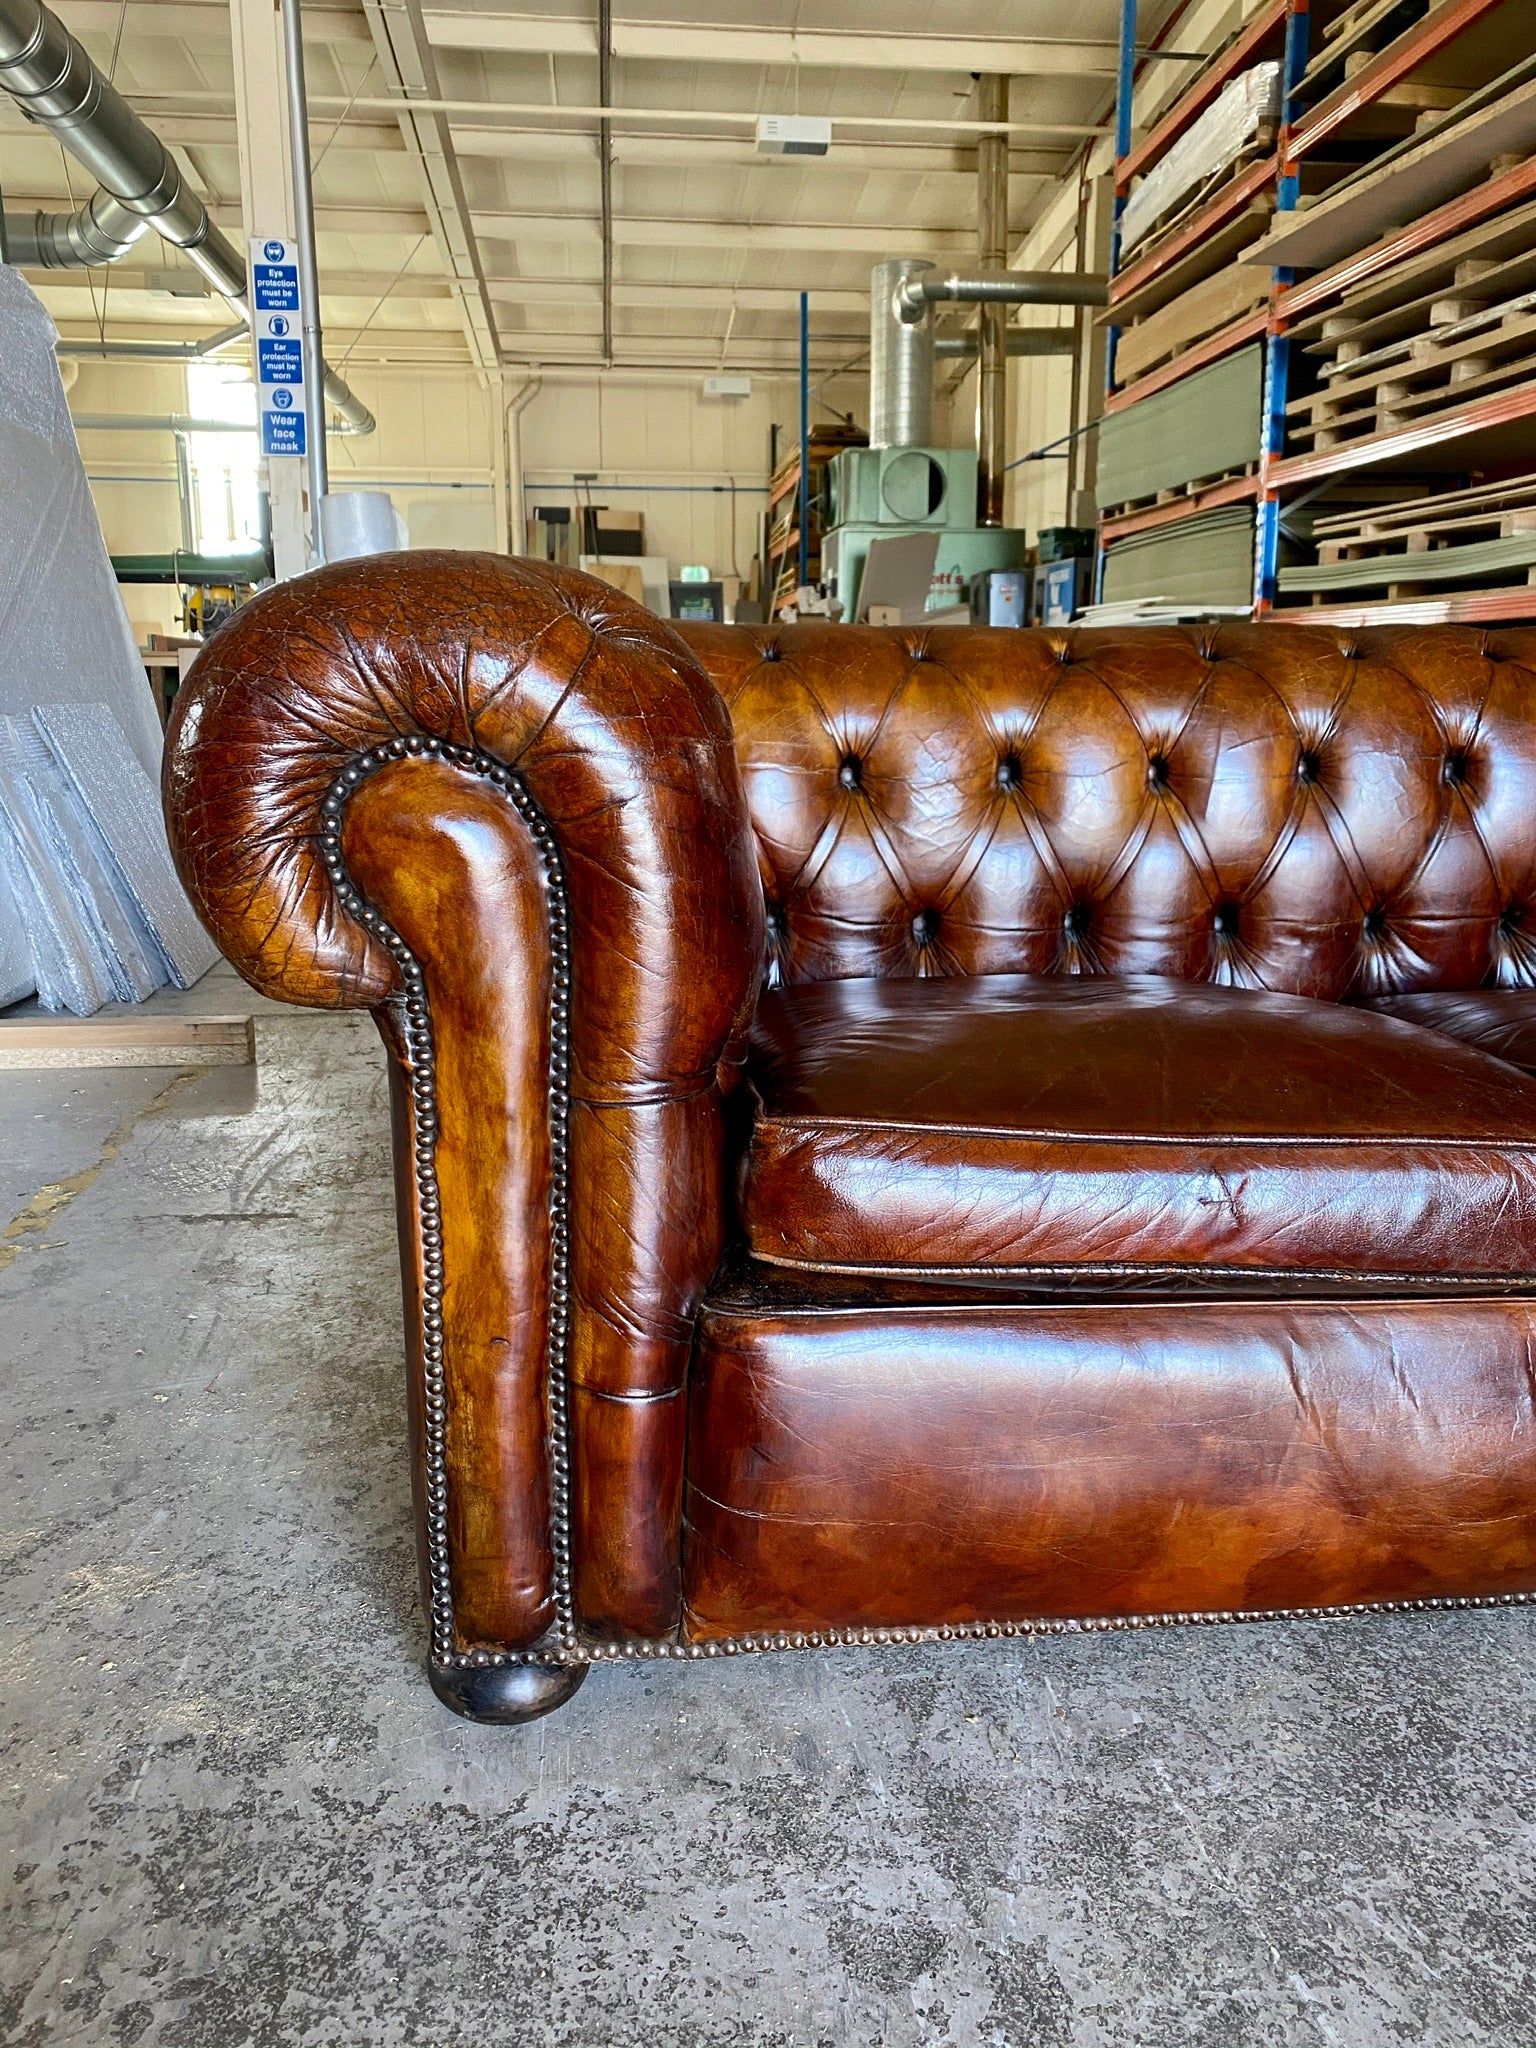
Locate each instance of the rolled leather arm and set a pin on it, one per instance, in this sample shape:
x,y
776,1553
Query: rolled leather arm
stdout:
x,y
499,804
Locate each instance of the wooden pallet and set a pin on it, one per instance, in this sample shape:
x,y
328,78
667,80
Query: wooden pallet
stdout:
x,y
1423,543
1488,511
1430,508
1363,30
1472,351
1185,492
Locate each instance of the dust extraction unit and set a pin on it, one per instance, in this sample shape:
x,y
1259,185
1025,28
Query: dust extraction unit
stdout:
x,y
901,483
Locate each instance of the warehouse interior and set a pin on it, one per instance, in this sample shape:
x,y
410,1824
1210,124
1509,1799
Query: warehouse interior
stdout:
x,y
1156,317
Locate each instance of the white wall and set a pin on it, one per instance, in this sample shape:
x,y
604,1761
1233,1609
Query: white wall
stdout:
x,y
658,447
664,450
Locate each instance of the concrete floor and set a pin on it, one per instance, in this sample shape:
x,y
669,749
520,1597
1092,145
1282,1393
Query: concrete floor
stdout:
x,y
231,1812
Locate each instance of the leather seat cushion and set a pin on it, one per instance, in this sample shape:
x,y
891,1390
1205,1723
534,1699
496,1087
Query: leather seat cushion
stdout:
x,y
1007,1122
1500,1020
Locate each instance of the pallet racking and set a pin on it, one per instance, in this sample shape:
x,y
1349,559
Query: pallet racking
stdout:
x,y
1378,247
781,571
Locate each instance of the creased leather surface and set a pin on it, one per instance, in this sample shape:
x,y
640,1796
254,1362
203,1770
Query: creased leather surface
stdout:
x,y
451,865
1501,1021
625,747
1293,808
915,1466
1010,1120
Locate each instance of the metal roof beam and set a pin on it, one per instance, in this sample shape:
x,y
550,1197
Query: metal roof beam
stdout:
x,y
680,42
408,66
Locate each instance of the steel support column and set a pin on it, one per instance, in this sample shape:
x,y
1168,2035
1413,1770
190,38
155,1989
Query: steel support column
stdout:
x,y
309,268
267,207
992,252
605,164
805,436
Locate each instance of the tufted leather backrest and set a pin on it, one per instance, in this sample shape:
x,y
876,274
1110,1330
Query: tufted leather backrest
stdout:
x,y
1270,806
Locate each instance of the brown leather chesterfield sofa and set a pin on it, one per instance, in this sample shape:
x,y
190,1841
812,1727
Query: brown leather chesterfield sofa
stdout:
x,y
909,1133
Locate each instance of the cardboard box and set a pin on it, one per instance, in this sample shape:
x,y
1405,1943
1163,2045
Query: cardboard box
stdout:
x,y
623,576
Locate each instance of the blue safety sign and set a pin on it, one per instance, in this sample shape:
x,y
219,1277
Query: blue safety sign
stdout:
x,y
282,433
275,287
277,317
279,361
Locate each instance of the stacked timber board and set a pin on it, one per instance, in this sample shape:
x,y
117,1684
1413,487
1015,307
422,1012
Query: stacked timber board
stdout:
x,y
1390,239
1412,319
1182,440
1207,560
1453,539
1202,429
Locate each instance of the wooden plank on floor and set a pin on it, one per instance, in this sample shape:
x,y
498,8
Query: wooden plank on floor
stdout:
x,y
116,1041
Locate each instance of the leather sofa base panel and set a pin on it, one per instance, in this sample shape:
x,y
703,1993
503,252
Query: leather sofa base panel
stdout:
x,y
896,1467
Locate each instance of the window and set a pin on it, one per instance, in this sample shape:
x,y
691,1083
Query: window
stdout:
x,y
226,486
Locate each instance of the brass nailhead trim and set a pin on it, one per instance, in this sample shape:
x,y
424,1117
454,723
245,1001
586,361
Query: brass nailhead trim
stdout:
x,y
566,1644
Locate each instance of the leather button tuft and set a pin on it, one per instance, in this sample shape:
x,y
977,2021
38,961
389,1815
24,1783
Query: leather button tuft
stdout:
x,y
771,651
1375,923
1455,768
850,771
1512,919
1308,768
925,927
1077,920
1157,771
1009,772
1226,920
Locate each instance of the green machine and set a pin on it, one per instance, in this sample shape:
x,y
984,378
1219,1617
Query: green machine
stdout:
x,y
875,493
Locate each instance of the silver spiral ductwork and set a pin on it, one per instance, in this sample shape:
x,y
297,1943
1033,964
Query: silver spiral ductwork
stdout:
x,y
101,231
52,78
1022,341
900,362
914,295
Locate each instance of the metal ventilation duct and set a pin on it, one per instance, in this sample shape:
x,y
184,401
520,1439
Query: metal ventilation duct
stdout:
x,y
914,295
52,78
900,362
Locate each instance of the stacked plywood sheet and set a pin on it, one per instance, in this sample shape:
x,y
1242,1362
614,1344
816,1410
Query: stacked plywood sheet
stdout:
x,y
1456,540
1216,302
1206,560
1203,428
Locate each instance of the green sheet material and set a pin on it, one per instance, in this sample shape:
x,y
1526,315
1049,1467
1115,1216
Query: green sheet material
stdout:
x,y
1203,426
1205,560
1439,565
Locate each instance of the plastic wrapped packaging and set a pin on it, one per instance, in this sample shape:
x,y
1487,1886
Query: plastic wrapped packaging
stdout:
x,y
118,805
64,635
1222,131
97,913
17,981
360,523
70,960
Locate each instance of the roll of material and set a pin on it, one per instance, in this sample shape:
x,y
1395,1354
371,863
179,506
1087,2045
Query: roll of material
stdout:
x,y
359,523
